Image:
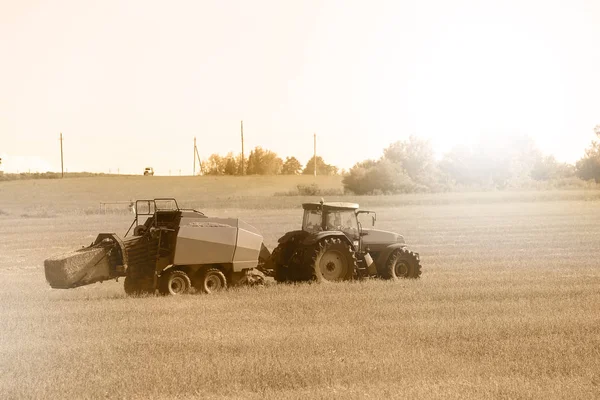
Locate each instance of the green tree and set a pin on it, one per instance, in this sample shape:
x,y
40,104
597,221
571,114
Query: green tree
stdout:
x,y
369,177
214,165
588,167
496,162
291,166
322,167
263,162
229,164
547,168
415,157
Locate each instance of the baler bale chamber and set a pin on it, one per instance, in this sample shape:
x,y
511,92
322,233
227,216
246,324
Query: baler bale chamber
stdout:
x,y
174,251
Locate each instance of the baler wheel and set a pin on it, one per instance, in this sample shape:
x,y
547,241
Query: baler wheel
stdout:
x,y
212,280
174,282
402,263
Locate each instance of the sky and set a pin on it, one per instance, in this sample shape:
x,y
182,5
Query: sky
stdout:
x,y
129,84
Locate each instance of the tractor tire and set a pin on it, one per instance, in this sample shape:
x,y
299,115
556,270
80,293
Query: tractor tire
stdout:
x,y
211,280
174,282
137,287
332,260
402,264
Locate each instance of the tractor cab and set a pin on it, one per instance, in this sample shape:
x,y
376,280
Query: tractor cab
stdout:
x,y
338,216
335,216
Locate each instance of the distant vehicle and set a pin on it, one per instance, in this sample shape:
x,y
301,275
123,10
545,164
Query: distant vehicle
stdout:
x,y
148,171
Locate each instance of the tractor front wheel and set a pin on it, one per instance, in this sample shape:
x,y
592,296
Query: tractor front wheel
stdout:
x,y
211,280
402,263
332,260
174,282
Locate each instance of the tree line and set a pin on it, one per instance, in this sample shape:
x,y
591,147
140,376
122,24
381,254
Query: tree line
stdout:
x,y
410,166
263,162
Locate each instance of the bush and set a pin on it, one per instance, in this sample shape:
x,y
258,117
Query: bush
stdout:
x,y
309,190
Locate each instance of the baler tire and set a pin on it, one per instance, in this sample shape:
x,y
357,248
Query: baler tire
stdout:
x,y
211,280
174,282
135,287
402,264
332,260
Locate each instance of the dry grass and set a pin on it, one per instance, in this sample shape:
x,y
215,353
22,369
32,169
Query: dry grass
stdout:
x,y
507,308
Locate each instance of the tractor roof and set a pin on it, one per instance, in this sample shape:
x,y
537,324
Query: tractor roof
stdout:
x,y
334,205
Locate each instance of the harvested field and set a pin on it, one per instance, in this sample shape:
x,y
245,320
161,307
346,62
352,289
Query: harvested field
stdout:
x,y
507,306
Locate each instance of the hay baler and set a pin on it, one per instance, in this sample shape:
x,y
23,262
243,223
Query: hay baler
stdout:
x,y
172,251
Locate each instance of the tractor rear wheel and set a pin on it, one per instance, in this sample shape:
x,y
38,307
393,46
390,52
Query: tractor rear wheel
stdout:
x,y
280,271
332,260
174,282
211,280
402,263
137,287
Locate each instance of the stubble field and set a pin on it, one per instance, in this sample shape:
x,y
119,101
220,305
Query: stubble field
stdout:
x,y
507,306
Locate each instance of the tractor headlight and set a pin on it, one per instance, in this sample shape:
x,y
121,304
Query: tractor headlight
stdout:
x,y
355,243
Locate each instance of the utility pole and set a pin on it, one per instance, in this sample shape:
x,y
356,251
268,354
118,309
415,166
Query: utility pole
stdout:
x,y
198,157
62,171
242,128
315,156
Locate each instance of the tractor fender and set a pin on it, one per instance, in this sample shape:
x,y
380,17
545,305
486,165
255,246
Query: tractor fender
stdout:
x,y
291,236
312,239
385,254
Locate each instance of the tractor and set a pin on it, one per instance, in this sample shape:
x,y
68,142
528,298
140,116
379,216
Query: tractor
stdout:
x,y
333,246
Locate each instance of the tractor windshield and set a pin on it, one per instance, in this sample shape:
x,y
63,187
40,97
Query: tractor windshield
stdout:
x,y
334,220
342,220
